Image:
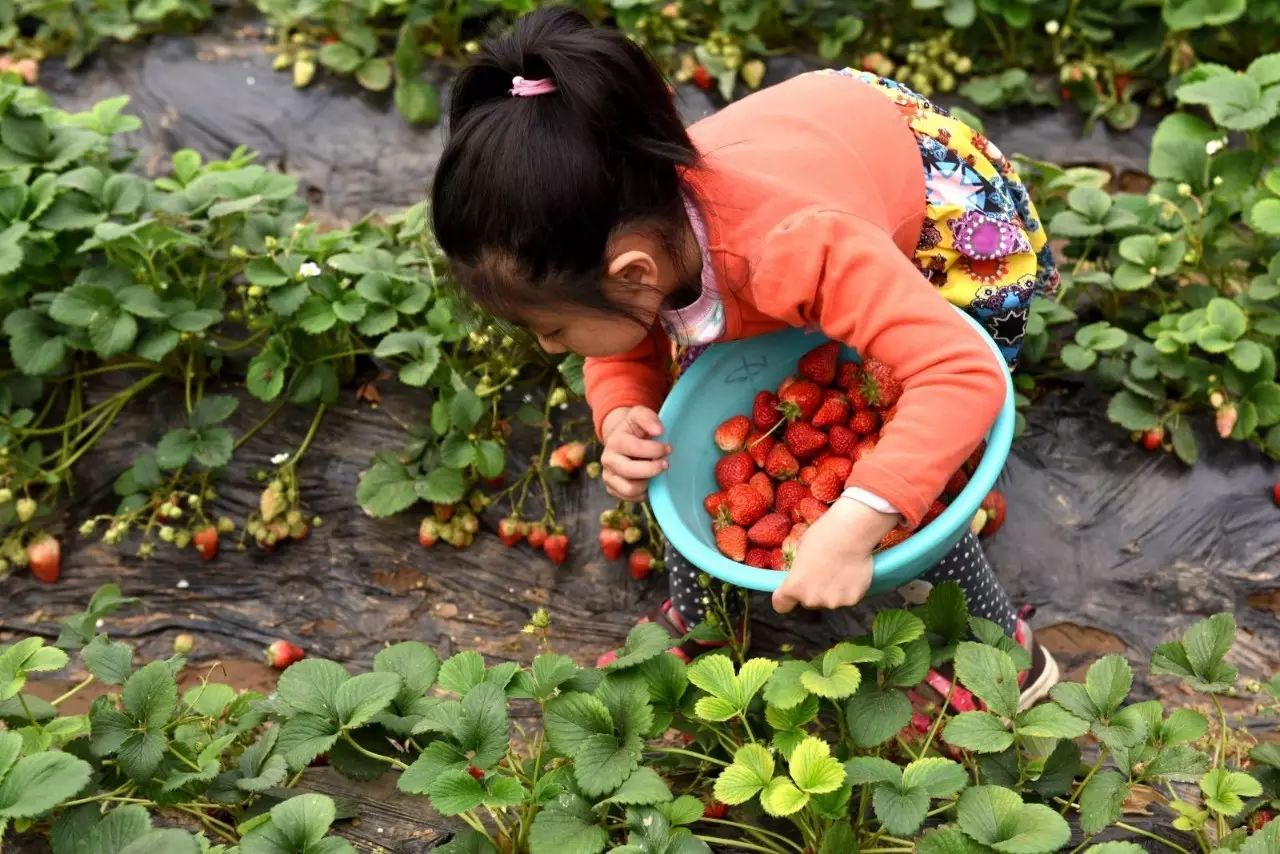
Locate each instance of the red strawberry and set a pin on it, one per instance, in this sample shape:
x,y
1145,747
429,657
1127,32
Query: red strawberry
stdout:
x,y
556,548
444,512
781,463
745,504
611,542
759,558
935,510
1260,819
994,505
715,810
778,560
205,541
834,410
887,416
732,541
1153,439
735,468
800,399
819,364
764,411
640,563
762,484
804,440
849,377
975,458
537,535
864,422
1275,494
759,446
840,440
428,532
732,434
863,448
920,722
702,77
792,543
841,467
44,558
569,456
713,503
807,474
826,487
281,654
809,510
788,495
475,772
956,484
770,531
894,537
510,531
879,384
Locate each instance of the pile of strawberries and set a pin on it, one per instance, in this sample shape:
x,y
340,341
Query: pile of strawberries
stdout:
x,y
787,462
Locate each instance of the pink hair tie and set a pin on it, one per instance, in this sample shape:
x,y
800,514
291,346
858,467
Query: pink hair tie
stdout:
x,y
522,88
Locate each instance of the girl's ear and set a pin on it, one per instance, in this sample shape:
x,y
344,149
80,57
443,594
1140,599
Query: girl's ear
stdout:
x,y
634,266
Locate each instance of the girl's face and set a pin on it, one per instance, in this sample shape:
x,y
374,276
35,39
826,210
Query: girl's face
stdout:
x,y
641,275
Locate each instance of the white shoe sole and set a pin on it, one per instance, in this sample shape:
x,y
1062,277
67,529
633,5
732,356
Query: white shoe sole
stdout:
x,y
1038,690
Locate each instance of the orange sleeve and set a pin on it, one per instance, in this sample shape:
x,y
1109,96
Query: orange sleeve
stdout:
x,y
846,276
640,377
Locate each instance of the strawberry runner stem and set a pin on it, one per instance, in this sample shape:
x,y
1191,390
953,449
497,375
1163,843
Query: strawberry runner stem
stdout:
x,y
361,749
759,832
62,698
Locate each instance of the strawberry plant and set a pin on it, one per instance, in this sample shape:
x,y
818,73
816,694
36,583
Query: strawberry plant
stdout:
x,y
647,753
35,29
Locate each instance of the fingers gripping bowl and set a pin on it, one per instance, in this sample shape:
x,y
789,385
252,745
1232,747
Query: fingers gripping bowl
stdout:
x,y
725,380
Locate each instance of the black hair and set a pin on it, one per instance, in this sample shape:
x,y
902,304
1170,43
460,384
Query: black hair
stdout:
x,y
529,190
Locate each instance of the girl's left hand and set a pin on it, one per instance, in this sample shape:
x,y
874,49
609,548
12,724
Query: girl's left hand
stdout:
x,y
832,567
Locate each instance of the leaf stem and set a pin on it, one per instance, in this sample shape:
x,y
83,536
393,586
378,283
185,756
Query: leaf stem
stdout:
x,y
737,843
73,691
755,831
361,749
679,751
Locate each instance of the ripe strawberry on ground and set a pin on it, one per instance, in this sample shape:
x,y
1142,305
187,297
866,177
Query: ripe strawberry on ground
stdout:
x,y
702,77
804,440
734,469
762,484
864,447
716,810
809,510
840,466
764,411
827,486
1153,439
556,548
800,400
205,541
732,434
611,542
759,558
44,559
510,531
834,410
879,384
864,422
840,440
759,446
891,539
1275,494
819,364
745,504
731,540
640,564
788,494
807,474
713,503
781,463
995,508
281,654
956,484
537,535
770,531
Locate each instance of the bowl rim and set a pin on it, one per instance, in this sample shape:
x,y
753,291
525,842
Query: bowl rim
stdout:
x,y
892,567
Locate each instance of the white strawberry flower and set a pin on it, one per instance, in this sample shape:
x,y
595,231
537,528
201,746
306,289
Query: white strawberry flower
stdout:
x,y
309,270
1213,146
280,458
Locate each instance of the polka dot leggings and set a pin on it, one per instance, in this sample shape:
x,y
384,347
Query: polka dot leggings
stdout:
x,y
966,564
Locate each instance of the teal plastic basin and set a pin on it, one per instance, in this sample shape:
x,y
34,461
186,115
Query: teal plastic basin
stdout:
x,y
723,382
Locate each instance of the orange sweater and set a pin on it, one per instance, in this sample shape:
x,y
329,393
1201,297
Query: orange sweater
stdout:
x,y
813,196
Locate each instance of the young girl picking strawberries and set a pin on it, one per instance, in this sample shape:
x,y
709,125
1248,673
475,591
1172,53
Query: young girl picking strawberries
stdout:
x,y
570,199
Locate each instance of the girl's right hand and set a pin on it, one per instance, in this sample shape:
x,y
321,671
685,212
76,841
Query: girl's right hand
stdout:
x,y
631,453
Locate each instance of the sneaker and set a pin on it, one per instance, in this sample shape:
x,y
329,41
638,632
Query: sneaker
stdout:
x,y
668,617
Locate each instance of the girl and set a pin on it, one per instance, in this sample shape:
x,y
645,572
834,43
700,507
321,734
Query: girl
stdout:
x,y
570,199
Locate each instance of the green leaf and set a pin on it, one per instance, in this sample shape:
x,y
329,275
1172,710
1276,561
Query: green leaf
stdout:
x,y
834,681
1182,726
110,662
418,102
1264,841
1209,640
415,663
1227,316
782,798
643,788
462,672
784,689
997,817
34,342
894,628
1077,358
1184,441
990,675
939,777
385,490
875,715
265,379
900,811
38,783
602,762
948,840
567,826
151,695
465,409
298,824
1265,397
1264,216
375,74
1126,728
862,770
981,732
442,486
504,792
813,769
1108,682
572,718
491,459
1050,720
1102,800
362,697
213,409
1132,412
1224,790
1235,101
751,771
423,771
455,792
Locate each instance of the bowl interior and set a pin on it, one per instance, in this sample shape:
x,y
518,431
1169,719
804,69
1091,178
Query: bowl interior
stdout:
x,y
724,382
